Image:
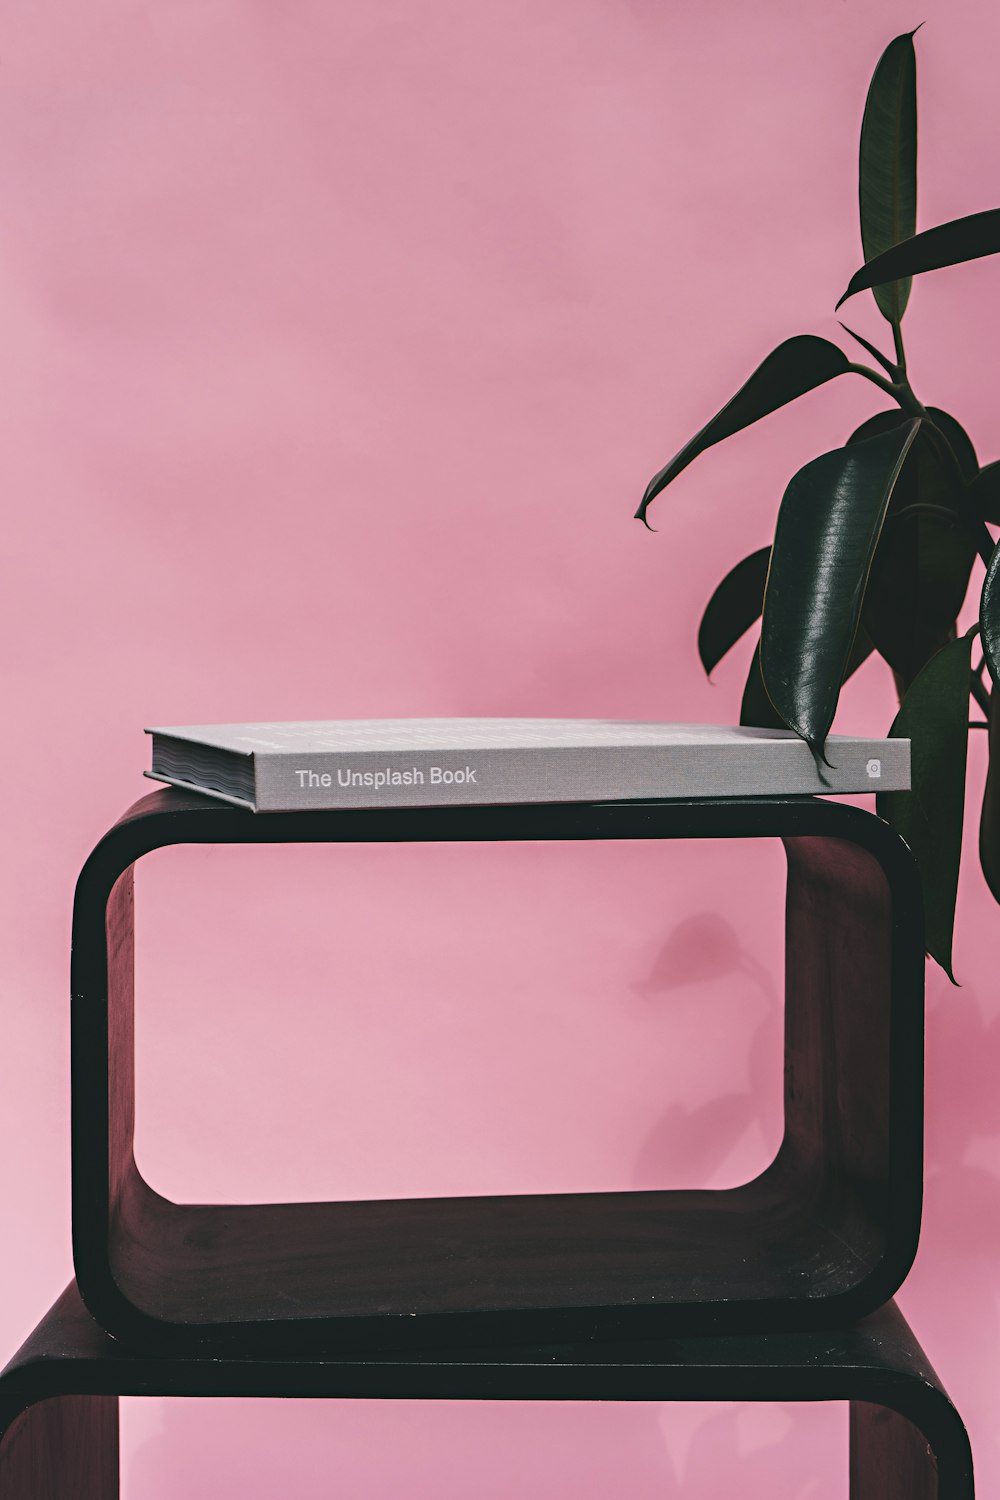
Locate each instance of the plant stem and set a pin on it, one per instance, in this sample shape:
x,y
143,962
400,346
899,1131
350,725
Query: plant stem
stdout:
x,y
882,381
984,542
897,338
978,691
900,390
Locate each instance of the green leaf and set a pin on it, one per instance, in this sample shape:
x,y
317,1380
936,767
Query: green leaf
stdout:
x,y
934,717
860,652
945,245
958,441
887,169
984,493
923,562
828,526
989,616
796,366
917,587
954,434
876,354
757,708
989,822
732,609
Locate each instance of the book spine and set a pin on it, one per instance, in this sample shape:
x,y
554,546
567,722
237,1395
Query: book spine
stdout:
x,y
289,782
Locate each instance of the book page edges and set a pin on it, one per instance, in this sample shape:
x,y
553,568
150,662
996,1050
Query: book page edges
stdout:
x,y
191,786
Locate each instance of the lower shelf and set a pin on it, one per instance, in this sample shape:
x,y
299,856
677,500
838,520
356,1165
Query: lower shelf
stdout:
x,y
293,1278
58,1406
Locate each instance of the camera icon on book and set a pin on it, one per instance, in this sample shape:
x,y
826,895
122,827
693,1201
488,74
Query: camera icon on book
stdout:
x,y
874,769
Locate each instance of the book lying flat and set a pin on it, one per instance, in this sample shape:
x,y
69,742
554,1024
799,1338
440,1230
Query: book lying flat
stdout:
x,y
429,762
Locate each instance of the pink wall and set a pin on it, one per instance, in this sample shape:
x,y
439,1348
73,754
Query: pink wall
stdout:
x,y
339,343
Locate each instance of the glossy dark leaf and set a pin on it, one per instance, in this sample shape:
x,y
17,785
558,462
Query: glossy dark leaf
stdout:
x,y
796,366
860,652
732,609
757,708
989,616
945,245
876,354
917,586
934,717
921,570
956,436
828,526
984,493
958,441
989,822
887,171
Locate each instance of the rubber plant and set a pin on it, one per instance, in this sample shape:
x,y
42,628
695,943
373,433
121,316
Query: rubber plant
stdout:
x,y
875,542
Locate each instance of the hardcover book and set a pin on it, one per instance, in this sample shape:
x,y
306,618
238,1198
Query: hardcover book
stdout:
x,y
428,762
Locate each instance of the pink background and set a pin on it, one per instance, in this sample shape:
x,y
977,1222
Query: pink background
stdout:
x,y
340,341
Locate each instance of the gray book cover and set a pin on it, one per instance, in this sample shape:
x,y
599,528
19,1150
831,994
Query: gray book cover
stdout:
x,y
427,762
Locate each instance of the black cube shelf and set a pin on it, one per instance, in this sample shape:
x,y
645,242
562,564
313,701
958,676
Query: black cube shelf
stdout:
x,y
59,1419
822,1237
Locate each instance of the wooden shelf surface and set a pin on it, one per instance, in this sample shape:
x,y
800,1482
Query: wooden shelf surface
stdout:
x,y
58,1418
821,1238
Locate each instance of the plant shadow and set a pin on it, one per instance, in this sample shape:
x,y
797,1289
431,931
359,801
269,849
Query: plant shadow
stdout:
x,y
690,1144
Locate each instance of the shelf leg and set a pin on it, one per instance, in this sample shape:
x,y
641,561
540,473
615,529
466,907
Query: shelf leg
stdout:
x,y
890,1458
65,1446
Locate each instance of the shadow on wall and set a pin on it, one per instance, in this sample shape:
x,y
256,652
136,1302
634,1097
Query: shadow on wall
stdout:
x,y
702,947
691,1145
